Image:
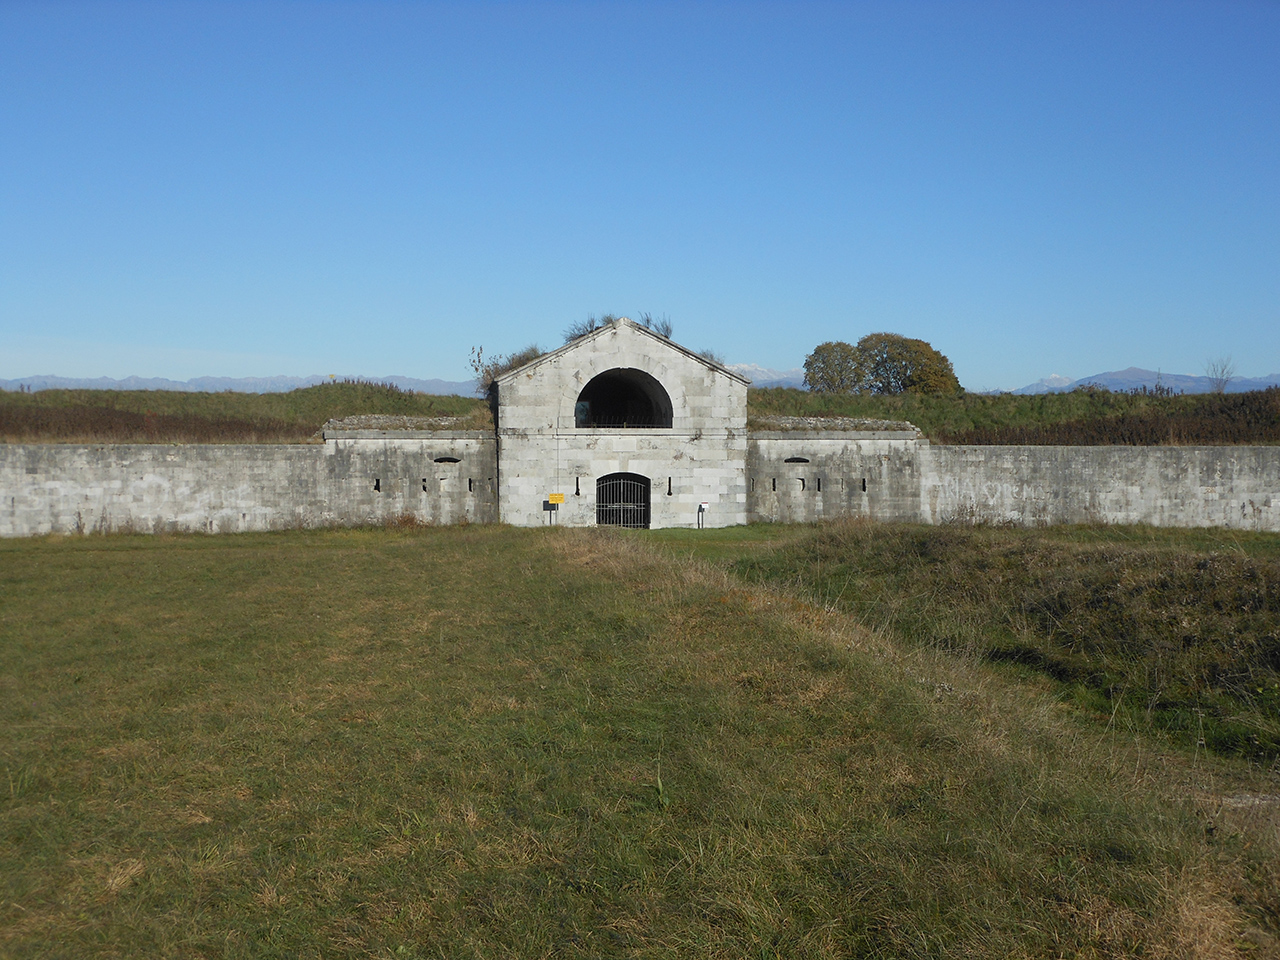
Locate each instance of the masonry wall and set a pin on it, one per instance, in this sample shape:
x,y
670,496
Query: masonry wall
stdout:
x,y
1233,487
224,488
700,458
216,488
684,470
832,474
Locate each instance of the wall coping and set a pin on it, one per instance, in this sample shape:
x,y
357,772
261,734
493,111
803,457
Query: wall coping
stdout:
x,y
408,435
811,436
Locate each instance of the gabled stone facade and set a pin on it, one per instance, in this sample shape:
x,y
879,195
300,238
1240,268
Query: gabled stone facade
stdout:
x,y
622,400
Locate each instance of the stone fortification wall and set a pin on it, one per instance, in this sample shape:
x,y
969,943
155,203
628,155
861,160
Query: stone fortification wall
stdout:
x,y
798,477
371,476
62,488
1234,487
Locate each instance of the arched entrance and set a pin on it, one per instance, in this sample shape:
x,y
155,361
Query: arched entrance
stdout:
x,y
622,397
622,500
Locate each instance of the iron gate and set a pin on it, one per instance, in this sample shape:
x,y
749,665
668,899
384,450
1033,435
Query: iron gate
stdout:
x,y
622,500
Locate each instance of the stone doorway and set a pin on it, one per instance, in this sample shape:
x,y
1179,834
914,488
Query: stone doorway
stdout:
x,y
622,500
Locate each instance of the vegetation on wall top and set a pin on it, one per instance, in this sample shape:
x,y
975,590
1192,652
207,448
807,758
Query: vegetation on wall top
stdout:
x,y
168,416
1089,416
489,369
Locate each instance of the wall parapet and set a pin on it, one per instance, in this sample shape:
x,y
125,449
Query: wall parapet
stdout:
x,y
393,434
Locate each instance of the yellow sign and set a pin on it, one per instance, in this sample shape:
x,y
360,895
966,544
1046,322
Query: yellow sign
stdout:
x,y
556,498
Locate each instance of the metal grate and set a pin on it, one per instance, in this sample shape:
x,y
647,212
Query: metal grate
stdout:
x,y
622,500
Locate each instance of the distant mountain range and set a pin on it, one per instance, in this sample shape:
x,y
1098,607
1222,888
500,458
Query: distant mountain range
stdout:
x,y
759,376
1116,380
280,384
765,377
1135,377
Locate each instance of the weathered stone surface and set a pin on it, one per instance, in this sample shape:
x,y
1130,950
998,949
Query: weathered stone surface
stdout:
x,y
1236,487
63,488
796,477
48,488
699,458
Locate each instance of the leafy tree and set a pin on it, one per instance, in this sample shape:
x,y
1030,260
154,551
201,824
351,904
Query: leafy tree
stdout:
x,y
883,363
890,363
832,368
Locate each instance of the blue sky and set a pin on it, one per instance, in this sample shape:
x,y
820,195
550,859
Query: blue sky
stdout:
x,y
249,189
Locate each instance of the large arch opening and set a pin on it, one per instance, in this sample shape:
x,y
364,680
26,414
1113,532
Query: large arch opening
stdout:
x,y
623,397
622,500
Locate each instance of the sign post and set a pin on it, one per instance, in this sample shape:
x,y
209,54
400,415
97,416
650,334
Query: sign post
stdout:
x,y
551,505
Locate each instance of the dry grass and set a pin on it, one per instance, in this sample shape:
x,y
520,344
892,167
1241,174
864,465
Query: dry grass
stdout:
x,y
1083,417
158,416
489,742
1177,631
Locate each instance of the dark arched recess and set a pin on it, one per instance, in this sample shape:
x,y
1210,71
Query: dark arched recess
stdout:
x,y
623,397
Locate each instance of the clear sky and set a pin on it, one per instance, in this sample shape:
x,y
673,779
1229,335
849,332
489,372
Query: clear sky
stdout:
x,y
372,188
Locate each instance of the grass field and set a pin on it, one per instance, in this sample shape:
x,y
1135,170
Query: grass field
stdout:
x,y
487,742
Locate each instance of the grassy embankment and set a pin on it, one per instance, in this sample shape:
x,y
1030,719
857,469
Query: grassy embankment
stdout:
x,y
1081,417
164,416
1176,631
474,742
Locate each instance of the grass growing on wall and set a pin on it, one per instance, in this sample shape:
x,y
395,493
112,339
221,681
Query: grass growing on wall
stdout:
x,y
486,742
1085,417
1082,417
161,416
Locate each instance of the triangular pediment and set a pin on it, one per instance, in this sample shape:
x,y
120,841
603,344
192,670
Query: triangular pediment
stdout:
x,y
630,328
